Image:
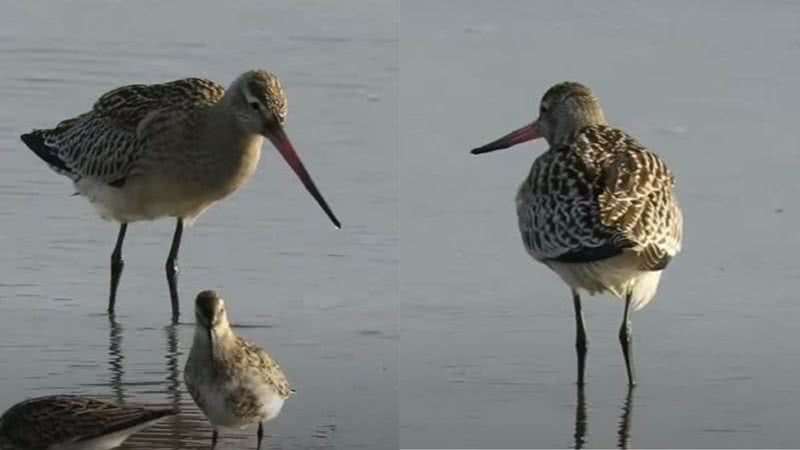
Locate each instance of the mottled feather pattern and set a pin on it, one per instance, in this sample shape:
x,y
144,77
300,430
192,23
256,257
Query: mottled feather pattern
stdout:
x,y
267,88
603,191
130,104
107,142
237,368
39,422
269,370
260,364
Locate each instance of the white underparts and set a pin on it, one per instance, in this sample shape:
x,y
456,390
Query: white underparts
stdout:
x,y
614,275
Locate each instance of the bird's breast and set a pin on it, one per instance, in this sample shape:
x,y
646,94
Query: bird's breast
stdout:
x,y
236,165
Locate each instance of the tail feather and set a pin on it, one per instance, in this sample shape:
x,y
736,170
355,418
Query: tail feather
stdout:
x,y
36,140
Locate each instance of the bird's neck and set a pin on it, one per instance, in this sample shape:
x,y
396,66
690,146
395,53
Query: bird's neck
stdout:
x,y
229,148
221,337
566,130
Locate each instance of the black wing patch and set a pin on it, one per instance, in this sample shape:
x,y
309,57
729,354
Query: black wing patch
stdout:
x,y
35,141
650,258
589,254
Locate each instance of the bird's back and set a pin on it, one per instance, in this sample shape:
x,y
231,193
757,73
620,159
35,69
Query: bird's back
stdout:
x,y
600,196
233,361
61,419
265,366
106,142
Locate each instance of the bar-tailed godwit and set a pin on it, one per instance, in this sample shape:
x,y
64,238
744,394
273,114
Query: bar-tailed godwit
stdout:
x,y
70,422
169,150
597,208
233,382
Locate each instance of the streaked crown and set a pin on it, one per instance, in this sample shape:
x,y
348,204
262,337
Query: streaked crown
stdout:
x,y
266,88
566,108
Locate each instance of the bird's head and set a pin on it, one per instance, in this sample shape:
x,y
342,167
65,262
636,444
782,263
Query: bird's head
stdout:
x,y
210,310
564,109
259,104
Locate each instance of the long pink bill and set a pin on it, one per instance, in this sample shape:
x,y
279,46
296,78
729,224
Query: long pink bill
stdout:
x,y
279,139
524,134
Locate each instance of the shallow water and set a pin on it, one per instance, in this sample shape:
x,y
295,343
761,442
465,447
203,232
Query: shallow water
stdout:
x,y
487,347
322,301
486,354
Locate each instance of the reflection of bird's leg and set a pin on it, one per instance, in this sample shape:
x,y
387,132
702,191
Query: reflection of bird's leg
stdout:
x,y
624,432
581,343
626,340
581,421
173,379
214,438
173,385
115,357
260,434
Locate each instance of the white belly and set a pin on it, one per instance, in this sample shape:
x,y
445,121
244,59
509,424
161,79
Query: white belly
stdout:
x,y
218,404
137,201
614,275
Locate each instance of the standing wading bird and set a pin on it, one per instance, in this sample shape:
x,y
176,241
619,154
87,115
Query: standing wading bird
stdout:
x,y
70,422
172,149
232,381
597,207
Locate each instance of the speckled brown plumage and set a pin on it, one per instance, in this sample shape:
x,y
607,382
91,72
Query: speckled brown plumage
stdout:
x,y
170,150
267,89
136,121
183,144
234,382
597,207
239,353
107,142
602,194
596,197
41,422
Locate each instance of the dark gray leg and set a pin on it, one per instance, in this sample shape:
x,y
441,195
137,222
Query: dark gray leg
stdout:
x,y
117,264
260,434
581,343
214,438
172,269
626,339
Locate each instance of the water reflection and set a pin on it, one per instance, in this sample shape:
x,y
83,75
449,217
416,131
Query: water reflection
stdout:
x,y
581,422
187,430
624,432
173,370
115,357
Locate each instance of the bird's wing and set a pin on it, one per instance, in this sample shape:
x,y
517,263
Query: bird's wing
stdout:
x,y
106,142
635,196
64,419
268,367
558,211
129,105
603,195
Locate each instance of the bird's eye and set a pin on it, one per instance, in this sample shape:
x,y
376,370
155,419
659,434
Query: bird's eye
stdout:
x,y
542,108
255,105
